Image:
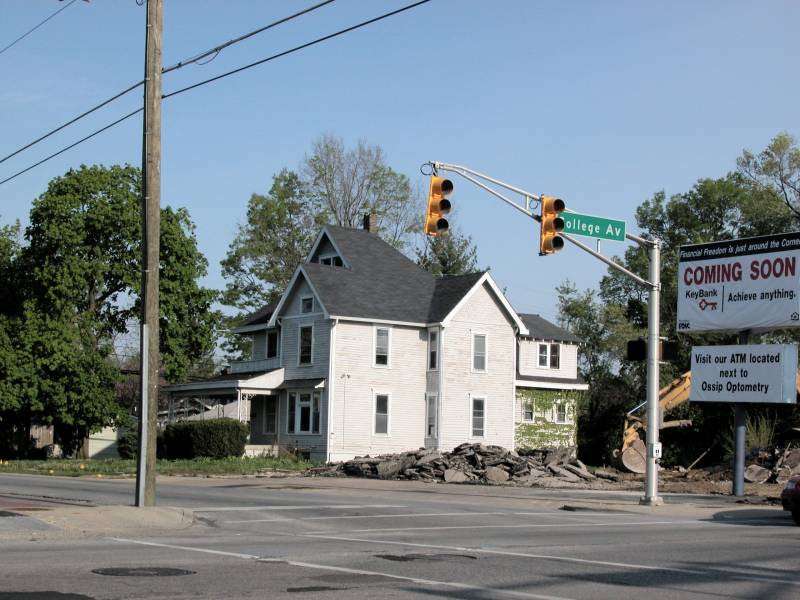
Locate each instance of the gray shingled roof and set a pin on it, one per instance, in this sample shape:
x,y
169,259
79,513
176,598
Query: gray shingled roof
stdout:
x,y
262,315
541,329
382,283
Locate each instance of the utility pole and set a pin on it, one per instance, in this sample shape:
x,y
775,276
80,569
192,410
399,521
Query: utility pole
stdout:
x,y
151,207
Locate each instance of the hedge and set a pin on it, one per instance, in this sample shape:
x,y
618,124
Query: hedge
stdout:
x,y
215,438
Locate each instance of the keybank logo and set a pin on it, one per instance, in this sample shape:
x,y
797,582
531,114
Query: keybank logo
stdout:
x,y
683,325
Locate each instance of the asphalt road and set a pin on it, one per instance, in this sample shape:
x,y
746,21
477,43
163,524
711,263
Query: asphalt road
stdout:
x,y
305,538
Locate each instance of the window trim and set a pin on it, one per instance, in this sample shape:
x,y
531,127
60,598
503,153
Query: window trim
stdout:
x,y
375,395
375,364
550,357
485,335
532,411
277,344
300,327
539,364
472,398
561,402
436,350
302,300
435,415
293,399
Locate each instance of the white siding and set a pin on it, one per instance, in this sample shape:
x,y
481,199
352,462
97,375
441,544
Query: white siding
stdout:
x,y
529,360
405,381
482,313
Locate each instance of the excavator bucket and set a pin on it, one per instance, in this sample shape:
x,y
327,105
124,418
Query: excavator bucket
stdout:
x,y
634,457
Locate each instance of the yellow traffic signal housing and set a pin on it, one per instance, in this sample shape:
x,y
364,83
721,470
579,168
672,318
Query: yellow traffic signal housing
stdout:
x,y
438,206
551,225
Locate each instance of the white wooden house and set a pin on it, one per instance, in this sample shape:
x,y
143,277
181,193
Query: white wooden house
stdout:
x,y
366,353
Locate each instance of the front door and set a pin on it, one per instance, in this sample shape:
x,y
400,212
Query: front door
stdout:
x,y
269,425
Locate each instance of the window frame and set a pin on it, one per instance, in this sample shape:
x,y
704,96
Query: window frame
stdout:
x,y
302,305
532,411
485,336
277,344
557,355
561,403
375,329
331,258
428,414
472,399
276,418
375,395
546,347
300,345
433,349
294,408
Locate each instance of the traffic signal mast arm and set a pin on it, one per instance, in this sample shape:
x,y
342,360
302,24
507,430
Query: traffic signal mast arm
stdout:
x,y
653,303
474,177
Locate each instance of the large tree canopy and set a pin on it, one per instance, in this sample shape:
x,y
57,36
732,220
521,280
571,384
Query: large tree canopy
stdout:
x,y
451,254
78,275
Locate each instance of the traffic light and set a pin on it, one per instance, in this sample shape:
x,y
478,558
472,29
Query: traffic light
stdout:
x,y
551,225
438,206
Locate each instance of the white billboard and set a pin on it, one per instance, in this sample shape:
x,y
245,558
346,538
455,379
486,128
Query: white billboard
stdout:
x,y
758,373
750,283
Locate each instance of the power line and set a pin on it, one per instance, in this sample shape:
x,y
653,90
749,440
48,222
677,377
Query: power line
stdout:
x,y
193,60
30,31
223,75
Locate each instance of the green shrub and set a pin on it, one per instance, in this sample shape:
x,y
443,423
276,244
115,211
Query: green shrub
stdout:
x,y
216,438
128,444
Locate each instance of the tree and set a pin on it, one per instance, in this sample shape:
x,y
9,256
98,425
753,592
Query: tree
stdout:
x,y
346,184
776,169
79,279
270,244
451,254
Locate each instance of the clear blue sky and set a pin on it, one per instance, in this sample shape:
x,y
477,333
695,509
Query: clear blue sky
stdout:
x,y
600,103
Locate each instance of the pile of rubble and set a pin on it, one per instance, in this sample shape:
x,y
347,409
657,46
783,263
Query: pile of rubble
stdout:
x,y
473,463
772,466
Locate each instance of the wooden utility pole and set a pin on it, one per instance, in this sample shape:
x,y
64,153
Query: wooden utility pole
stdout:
x,y
151,207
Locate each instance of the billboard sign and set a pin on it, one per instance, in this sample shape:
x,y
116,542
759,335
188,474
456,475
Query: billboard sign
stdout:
x,y
749,283
756,373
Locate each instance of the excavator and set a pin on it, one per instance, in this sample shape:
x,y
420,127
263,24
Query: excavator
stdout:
x,y
633,454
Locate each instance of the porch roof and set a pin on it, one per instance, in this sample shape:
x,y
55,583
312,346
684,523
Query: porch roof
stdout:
x,y
229,384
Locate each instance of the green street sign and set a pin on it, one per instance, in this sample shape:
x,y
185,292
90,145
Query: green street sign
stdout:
x,y
591,226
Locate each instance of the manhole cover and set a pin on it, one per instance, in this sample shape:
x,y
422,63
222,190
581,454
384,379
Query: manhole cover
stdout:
x,y
142,572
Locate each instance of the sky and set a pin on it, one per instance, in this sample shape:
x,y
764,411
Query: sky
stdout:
x,y
602,104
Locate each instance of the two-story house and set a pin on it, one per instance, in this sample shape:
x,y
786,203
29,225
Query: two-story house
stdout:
x,y
366,353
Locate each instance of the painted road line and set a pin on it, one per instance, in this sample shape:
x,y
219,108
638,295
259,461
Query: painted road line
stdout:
x,y
567,559
494,592
459,514
295,507
514,526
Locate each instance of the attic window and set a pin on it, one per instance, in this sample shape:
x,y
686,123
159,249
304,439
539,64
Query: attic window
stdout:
x,y
334,261
306,305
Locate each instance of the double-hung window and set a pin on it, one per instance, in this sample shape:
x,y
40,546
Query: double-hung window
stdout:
x,y
382,414
560,412
433,350
305,344
381,346
303,414
527,411
478,417
479,352
430,415
550,356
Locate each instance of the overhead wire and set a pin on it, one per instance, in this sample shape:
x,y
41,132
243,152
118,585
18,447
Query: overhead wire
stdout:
x,y
192,60
221,76
30,31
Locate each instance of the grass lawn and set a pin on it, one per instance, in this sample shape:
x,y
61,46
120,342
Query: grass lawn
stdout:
x,y
127,468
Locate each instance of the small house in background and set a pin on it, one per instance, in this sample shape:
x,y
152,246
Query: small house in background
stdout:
x,y
366,353
548,385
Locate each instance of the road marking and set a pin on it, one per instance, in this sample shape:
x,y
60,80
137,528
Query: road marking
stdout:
x,y
515,526
193,549
569,559
295,507
458,514
432,582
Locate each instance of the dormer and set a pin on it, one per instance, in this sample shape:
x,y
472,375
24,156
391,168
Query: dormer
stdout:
x,y
325,252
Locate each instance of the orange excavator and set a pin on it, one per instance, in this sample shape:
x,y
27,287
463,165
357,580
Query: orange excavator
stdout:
x,y
633,454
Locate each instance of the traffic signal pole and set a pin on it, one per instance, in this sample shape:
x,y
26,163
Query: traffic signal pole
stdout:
x,y
653,285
